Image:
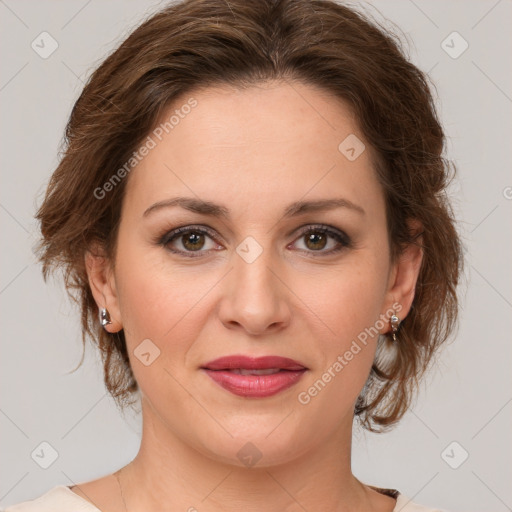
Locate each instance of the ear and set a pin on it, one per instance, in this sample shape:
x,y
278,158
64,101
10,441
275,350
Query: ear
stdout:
x,y
404,275
102,282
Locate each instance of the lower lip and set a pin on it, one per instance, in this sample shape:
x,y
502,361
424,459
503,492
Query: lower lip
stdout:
x,y
255,386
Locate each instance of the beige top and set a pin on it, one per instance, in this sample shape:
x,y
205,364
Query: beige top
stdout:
x,y
62,499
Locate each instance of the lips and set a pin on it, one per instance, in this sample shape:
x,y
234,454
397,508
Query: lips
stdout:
x,y
254,377
250,363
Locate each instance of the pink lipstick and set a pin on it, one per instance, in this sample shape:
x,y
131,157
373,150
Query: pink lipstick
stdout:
x,y
254,377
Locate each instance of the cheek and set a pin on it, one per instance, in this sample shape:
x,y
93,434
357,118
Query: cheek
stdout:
x,y
158,301
348,303
347,299
160,310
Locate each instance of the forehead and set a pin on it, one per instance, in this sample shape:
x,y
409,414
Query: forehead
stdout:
x,y
271,113
268,143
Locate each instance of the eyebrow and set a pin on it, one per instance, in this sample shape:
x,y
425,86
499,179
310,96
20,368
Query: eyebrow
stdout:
x,y
217,210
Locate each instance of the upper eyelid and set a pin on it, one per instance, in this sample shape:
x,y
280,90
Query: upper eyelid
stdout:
x,y
331,231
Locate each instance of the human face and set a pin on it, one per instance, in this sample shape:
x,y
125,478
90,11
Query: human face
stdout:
x,y
255,284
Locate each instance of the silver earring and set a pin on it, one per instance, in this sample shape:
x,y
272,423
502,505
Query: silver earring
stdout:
x,y
395,324
104,317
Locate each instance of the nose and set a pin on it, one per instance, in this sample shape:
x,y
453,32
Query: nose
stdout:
x,y
255,298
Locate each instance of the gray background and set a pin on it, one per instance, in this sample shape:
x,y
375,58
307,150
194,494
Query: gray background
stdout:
x,y
469,394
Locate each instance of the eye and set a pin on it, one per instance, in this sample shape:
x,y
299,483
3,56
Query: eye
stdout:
x,y
316,239
189,239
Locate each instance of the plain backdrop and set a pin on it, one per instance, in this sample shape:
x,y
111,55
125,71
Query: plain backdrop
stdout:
x,y
452,450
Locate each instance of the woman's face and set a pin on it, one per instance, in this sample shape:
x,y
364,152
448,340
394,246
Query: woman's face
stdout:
x,y
266,277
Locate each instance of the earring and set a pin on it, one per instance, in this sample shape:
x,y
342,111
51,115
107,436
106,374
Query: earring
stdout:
x,y
104,317
395,324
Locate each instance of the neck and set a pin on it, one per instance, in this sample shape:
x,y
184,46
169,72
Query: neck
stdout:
x,y
168,474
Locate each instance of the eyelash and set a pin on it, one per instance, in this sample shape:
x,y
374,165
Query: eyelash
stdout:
x,y
339,236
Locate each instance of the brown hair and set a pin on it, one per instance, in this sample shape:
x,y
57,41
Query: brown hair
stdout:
x,y
198,43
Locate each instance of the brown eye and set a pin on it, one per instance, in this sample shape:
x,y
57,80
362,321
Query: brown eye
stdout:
x,y
188,240
316,241
323,240
193,241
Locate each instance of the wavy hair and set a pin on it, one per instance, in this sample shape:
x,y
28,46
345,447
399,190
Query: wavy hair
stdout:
x,y
199,43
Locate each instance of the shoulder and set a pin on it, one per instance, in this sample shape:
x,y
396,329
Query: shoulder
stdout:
x,y
58,499
405,504
62,499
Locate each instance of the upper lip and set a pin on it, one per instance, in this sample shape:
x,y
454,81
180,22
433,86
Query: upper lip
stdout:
x,y
253,363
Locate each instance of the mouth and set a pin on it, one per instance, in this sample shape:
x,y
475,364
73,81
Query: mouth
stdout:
x,y
245,371
240,362
254,377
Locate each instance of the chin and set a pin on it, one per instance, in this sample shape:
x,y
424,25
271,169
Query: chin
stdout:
x,y
258,444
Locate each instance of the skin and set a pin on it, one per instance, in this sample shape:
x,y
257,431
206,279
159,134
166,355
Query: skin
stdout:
x,y
255,151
